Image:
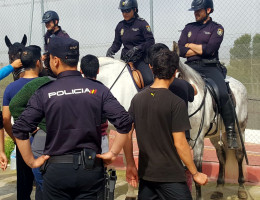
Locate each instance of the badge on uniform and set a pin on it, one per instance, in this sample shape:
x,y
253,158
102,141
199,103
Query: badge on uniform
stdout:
x,y
220,32
148,28
189,34
122,32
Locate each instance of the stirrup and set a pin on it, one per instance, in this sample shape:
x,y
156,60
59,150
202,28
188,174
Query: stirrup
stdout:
x,y
232,143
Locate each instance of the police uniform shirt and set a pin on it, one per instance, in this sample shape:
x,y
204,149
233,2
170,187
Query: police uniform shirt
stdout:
x,y
210,35
136,33
72,107
48,35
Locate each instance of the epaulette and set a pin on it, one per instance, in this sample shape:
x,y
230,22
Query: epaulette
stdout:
x,y
64,32
45,84
192,23
140,18
94,80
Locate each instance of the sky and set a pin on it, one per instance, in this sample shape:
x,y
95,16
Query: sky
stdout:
x,y
92,22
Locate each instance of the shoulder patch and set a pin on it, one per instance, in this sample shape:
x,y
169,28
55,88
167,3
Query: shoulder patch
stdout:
x,y
142,19
220,31
64,32
148,28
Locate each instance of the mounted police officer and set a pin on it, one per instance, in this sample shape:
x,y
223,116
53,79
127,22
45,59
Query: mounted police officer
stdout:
x,y
136,36
199,43
72,106
51,20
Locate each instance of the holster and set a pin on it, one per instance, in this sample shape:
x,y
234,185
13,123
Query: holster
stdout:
x,y
88,157
43,168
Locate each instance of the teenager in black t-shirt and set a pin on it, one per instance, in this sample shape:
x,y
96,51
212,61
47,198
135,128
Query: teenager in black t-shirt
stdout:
x,y
160,120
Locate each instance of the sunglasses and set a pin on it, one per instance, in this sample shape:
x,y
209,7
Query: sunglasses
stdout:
x,y
126,10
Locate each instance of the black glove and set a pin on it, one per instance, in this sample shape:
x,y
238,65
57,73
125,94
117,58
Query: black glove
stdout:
x,y
110,53
130,54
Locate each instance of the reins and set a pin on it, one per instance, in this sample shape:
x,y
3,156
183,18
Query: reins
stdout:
x,y
118,76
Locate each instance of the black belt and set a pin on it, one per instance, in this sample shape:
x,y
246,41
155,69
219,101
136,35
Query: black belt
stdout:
x,y
72,158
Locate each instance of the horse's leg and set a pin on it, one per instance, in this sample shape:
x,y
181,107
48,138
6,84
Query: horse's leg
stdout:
x,y
242,194
221,154
197,154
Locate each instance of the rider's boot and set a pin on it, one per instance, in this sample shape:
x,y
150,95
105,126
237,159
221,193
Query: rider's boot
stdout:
x,y
229,121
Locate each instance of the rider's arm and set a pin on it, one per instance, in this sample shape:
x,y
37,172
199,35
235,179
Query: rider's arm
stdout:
x,y
196,48
214,43
117,40
184,51
148,36
211,47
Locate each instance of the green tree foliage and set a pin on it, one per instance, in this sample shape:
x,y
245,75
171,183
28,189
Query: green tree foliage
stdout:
x,y
256,47
245,61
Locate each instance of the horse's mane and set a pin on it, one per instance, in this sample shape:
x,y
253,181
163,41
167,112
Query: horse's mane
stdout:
x,y
190,75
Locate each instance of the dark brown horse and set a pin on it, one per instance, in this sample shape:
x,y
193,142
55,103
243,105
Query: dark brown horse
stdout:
x,y
14,52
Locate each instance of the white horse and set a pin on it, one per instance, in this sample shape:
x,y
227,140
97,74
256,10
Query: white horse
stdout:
x,y
124,90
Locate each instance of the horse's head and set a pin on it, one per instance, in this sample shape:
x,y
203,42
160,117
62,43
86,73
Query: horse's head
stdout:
x,y
14,52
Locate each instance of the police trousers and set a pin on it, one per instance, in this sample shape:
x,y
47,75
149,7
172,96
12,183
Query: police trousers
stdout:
x,y
145,71
64,181
213,72
163,191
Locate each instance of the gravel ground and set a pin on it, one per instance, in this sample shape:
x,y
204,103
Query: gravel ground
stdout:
x,y
8,188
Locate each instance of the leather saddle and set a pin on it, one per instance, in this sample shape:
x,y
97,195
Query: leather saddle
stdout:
x,y
137,76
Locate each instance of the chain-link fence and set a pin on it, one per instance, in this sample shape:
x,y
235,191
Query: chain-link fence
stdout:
x,y
92,23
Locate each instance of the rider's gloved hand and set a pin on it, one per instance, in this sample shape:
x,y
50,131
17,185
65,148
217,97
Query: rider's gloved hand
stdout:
x,y
110,53
129,55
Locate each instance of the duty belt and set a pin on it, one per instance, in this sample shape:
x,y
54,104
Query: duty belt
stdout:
x,y
203,62
77,159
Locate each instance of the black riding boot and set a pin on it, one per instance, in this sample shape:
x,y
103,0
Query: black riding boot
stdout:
x,y
229,121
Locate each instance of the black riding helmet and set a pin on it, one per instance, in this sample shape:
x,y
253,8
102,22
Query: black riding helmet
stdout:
x,y
128,4
49,16
202,4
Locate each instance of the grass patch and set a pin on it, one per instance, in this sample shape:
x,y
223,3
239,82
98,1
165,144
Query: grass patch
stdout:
x,y
9,147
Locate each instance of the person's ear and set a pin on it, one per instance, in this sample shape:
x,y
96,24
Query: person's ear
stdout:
x,y
151,67
98,71
208,10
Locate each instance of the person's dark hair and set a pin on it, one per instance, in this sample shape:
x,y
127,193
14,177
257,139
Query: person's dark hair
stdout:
x,y
154,49
89,65
30,55
165,63
72,62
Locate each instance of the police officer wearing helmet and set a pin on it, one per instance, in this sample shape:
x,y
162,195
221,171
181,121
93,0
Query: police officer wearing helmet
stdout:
x,y
136,36
51,20
72,106
199,43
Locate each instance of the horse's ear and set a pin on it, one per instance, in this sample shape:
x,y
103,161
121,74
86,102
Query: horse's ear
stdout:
x,y
24,41
7,42
175,48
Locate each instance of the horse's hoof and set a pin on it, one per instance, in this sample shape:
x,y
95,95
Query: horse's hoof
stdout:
x,y
242,194
216,195
130,198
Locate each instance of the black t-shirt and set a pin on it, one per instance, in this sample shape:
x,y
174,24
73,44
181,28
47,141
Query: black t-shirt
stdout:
x,y
157,112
